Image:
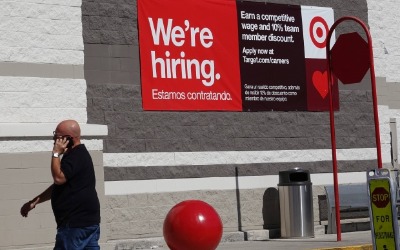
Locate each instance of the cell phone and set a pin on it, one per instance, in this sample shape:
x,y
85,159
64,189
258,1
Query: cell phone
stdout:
x,y
70,142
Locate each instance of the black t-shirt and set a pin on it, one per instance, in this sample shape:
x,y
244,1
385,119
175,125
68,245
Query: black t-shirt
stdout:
x,y
75,203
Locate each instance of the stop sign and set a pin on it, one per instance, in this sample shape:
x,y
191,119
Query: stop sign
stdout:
x,y
380,197
350,58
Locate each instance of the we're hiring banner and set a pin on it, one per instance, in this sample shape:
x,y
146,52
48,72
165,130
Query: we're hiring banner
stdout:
x,y
225,55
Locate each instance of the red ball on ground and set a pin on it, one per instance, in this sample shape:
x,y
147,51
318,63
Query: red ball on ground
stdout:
x,y
192,225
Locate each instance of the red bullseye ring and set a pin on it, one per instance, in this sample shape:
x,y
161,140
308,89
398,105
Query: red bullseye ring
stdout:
x,y
318,31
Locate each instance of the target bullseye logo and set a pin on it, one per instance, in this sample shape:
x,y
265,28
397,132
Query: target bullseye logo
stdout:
x,y
319,31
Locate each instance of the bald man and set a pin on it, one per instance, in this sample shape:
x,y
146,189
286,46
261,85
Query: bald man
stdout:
x,y
73,195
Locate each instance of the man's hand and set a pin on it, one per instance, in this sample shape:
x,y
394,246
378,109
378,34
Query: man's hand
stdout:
x,y
60,145
28,207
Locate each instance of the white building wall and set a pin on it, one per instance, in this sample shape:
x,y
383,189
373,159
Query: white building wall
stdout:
x,y
384,23
45,35
384,27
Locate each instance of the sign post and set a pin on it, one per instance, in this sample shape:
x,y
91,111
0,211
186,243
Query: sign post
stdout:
x,y
347,61
382,191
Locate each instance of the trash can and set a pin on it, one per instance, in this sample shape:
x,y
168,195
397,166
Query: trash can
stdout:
x,y
296,204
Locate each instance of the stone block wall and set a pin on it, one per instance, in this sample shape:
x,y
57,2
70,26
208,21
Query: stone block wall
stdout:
x,y
142,215
23,176
137,216
41,64
385,36
197,155
112,72
80,60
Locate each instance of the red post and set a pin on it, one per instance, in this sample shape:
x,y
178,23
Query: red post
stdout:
x,y
332,117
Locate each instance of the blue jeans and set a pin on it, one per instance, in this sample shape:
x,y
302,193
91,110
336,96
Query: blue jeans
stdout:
x,y
69,238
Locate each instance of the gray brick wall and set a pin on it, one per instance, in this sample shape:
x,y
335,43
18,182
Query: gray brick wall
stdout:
x,y
114,98
227,170
112,72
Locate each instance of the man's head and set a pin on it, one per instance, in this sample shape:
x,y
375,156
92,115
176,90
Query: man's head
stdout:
x,y
68,128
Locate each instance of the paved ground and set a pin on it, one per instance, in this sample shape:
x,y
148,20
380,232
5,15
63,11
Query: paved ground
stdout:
x,y
352,241
360,240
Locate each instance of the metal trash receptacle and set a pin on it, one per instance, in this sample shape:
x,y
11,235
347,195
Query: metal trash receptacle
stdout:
x,y
296,203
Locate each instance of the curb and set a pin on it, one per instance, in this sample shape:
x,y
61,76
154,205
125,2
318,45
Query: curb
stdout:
x,y
360,247
159,242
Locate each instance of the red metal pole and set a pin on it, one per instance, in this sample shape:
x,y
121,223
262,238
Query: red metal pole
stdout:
x,y
333,137
332,117
373,83
334,159
373,86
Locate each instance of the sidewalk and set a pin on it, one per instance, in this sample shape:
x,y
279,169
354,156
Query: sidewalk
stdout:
x,y
360,240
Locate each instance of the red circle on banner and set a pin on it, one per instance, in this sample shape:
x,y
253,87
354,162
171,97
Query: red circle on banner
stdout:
x,y
380,197
320,32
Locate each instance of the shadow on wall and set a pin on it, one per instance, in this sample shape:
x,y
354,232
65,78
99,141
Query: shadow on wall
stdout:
x,y
270,209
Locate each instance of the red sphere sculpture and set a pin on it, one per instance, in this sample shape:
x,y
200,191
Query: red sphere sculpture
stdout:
x,y
192,225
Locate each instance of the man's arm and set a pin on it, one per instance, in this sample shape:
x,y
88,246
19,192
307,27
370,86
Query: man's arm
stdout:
x,y
45,196
56,172
59,148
